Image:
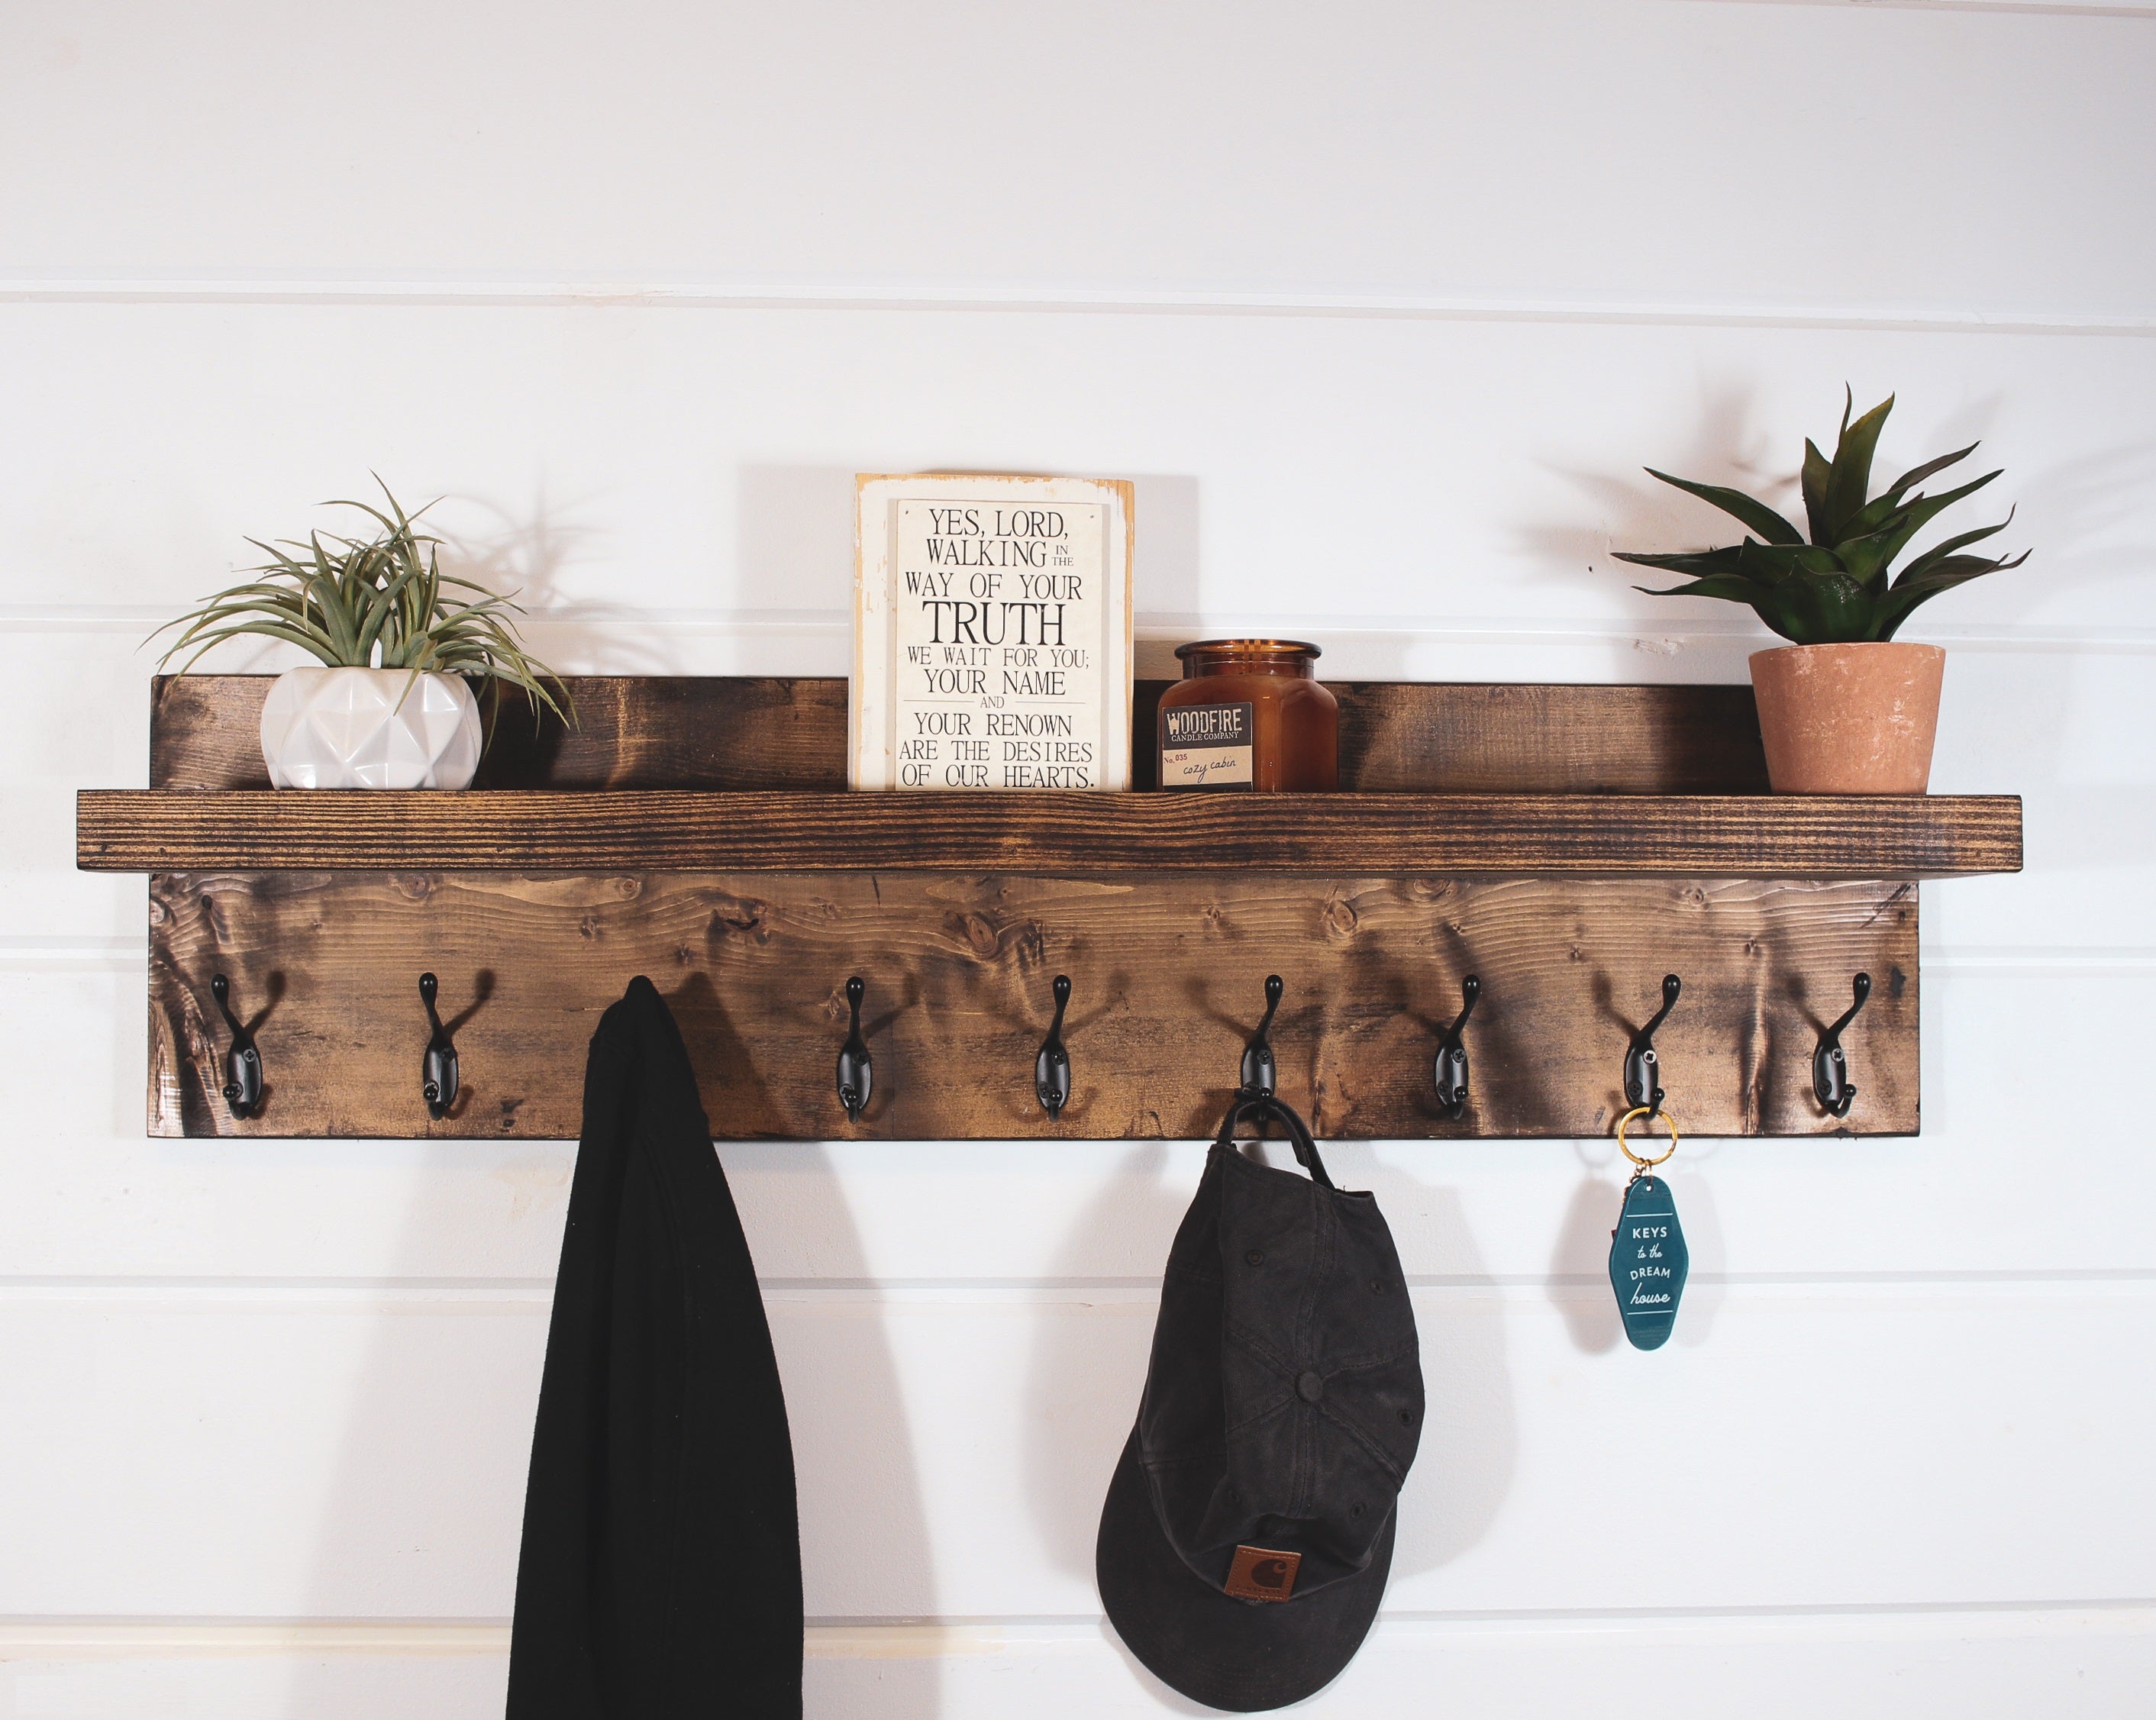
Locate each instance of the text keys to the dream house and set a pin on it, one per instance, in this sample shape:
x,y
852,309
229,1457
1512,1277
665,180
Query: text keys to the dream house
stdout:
x,y
1647,1262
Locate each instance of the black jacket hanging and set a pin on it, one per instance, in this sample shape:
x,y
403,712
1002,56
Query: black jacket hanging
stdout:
x,y
660,1573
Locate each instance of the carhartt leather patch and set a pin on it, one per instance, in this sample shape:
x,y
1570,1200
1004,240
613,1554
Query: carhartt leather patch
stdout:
x,y
1258,1574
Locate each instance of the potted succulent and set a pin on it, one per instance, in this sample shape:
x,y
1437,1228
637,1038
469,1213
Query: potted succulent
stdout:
x,y
391,705
1844,709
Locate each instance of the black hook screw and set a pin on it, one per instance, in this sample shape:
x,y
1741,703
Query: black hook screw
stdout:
x,y
1642,1068
1830,1068
1051,1069
856,1071
438,1071
1261,1072
1450,1069
243,1063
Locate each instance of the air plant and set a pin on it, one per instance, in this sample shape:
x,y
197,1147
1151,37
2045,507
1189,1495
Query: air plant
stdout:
x,y
375,603
1836,590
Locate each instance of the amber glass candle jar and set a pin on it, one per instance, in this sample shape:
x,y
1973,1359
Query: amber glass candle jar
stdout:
x,y
1249,714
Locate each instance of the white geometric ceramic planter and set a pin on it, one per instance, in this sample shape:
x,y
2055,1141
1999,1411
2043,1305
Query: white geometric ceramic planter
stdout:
x,y
369,728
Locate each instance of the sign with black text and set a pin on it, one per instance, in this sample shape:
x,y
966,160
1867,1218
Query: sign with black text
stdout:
x,y
991,634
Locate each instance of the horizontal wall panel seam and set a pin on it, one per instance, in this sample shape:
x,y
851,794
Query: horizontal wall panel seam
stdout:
x,y
31,1638
963,1297
2139,10
90,620
59,290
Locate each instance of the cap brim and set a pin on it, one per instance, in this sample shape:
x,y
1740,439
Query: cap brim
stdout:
x,y
1241,1656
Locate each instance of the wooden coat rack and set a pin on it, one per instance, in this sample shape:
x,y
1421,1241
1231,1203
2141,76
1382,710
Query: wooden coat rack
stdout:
x,y
1567,845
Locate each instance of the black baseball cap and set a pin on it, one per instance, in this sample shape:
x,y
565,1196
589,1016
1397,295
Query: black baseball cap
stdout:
x,y
1249,1528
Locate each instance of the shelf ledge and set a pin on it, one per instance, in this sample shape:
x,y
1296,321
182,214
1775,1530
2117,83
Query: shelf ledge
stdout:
x,y
673,830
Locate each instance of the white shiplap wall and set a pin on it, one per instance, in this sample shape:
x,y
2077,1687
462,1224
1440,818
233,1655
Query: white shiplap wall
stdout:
x,y
1384,305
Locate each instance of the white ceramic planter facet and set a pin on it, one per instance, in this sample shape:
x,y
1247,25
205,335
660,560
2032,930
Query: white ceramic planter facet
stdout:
x,y
369,728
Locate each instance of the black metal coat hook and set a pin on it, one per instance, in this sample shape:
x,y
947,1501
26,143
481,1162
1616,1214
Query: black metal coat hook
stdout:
x,y
438,1070
856,1071
243,1063
1642,1068
1261,1072
1051,1069
1450,1071
1830,1068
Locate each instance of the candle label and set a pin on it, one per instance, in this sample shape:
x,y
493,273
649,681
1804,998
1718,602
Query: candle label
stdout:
x,y
1206,745
1648,1261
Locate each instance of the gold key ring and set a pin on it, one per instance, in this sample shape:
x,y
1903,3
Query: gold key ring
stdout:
x,y
1624,1148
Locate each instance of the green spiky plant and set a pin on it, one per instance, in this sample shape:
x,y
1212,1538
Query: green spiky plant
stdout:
x,y
375,603
1836,590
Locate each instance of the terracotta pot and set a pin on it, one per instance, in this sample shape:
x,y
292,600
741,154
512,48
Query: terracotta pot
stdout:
x,y
1849,719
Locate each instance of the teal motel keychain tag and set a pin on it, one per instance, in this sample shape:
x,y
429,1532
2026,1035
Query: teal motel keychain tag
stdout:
x,y
1648,1259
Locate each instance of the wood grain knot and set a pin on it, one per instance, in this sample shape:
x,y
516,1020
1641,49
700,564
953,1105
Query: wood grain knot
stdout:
x,y
978,934
741,916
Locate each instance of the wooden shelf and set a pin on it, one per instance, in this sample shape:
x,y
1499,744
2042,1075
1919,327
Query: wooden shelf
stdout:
x,y
1569,845
543,830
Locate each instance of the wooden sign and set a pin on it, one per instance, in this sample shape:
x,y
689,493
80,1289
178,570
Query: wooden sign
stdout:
x,y
991,634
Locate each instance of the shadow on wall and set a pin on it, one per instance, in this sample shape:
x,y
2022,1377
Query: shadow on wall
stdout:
x,y
517,552
422,1506
419,1506
1708,1288
1635,511
2047,725
794,552
1080,1403
1470,1449
2073,514
864,1540
795,544
524,553
1579,1264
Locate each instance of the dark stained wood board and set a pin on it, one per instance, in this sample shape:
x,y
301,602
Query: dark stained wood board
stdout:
x,y
634,732
752,732
1167,971
1741,836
